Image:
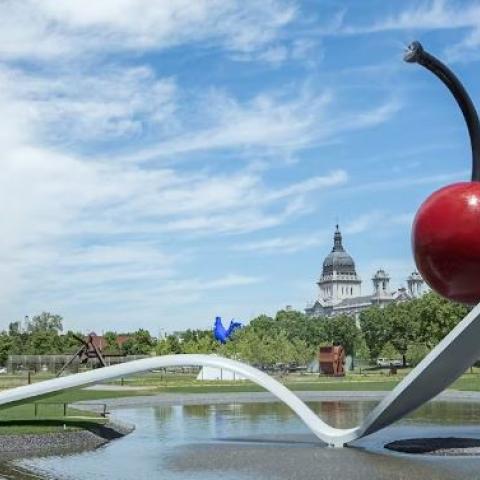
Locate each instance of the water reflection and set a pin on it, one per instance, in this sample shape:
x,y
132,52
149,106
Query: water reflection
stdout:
x,y
339,414
264,441
447,412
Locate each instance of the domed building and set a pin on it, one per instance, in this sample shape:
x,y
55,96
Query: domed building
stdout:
x,y
340,288
339,279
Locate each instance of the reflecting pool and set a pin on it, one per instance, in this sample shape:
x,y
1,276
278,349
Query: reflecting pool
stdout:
x,y
265,441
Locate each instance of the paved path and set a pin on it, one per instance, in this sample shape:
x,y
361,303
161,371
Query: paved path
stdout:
x,y
117,388
265,397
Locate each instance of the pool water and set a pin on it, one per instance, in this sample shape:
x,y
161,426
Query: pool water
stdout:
x,y
265,441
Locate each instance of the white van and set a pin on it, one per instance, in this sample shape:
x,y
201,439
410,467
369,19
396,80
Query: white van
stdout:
x,y
388,362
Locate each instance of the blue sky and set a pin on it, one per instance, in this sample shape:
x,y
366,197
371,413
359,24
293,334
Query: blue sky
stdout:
x,y
166,162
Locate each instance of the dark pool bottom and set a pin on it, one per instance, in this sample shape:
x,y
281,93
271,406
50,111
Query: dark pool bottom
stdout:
x,y
441,446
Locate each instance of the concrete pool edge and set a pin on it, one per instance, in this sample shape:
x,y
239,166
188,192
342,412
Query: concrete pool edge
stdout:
x,y
170,399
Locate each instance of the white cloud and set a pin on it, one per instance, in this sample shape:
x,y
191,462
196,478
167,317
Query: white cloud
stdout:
x,y
431,15
266,121
378,220
364,222
306,51
290,244
196,285
56,202
255,206
403,219
88,105
52,29
426,15
295,243
335,178
285,121
403,182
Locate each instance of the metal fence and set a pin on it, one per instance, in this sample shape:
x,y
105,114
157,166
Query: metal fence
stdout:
x,y
53,363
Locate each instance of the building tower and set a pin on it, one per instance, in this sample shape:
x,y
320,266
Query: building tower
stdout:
x,y
339,280
381,284
415,284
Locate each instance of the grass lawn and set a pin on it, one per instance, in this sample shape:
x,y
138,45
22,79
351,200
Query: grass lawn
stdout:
x,y
467,382
21,419
297,386
77,395
157,383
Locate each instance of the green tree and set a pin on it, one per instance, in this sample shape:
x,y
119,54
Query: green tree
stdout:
x,y
263,325
403,327
389,351
42,336
362,352
254,348
43,343
415,353
168,346
140,343
200,344
303,352
111,341
20,344
6,344
375,330
342,330
14,328
68,342
282,349
45,322
297,325
435,317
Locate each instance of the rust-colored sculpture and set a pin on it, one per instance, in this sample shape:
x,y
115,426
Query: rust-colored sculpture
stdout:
x,y
332,360
87,350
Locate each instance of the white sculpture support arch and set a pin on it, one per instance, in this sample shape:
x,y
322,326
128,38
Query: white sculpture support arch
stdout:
x,y
326,433
442,366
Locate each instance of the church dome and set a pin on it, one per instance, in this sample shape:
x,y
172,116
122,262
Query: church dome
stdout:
x,y
381,275
415,276
338,260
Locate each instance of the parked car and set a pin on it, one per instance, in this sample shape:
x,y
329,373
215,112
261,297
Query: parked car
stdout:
x,y
388,362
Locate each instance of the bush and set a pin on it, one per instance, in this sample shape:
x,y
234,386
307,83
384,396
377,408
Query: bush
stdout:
x,y
416,353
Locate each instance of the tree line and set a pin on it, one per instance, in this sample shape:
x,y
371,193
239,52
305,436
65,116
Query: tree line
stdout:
x,y
409,329
406,330
44,335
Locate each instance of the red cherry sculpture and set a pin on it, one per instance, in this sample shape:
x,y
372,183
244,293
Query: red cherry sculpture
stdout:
x,y
446,229
446,241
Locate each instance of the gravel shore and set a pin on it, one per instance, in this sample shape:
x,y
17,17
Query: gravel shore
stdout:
x,y
28,445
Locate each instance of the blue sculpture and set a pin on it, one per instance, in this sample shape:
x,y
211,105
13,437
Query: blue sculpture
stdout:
x,y
220,333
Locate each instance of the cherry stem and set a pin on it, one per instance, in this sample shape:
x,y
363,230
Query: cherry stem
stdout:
x,y
416,54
